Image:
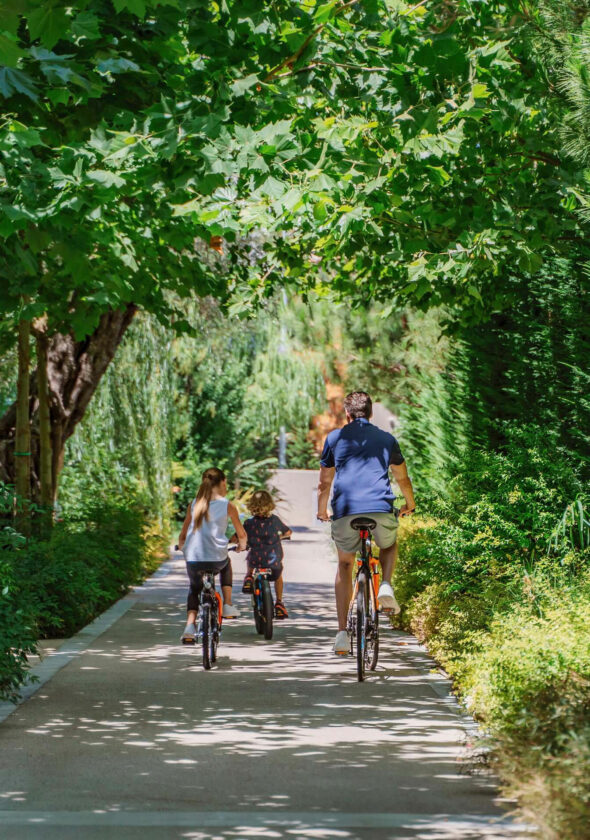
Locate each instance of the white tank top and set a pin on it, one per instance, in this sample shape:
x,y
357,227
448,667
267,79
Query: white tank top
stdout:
x,y
208,544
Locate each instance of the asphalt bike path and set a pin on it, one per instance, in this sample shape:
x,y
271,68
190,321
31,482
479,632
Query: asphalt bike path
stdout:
x,y
129,737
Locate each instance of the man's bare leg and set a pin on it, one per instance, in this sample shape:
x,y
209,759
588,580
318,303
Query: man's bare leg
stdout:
x,y
387,558
343,586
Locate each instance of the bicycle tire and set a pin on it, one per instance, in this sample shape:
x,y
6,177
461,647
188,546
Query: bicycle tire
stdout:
x,y
267,609
206,635
258,617
373,648
214,641
361,627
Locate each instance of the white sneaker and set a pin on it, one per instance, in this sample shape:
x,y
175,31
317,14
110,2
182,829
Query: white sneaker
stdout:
x,y
189,634
387,600
342,643
229,611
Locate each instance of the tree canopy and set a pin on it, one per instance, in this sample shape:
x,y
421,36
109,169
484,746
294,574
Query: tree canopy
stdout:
x,y
375,149
407,152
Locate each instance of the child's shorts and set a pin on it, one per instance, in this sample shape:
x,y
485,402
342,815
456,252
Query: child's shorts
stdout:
x,y
275,570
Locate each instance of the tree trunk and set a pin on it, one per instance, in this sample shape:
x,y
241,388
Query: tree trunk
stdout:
x,y
45,448
74,370
22,428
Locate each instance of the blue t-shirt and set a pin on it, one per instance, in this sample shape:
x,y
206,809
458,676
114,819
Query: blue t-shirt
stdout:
x,y
362,454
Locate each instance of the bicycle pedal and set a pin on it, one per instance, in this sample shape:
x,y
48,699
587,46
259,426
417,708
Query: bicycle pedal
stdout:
x,y
188,642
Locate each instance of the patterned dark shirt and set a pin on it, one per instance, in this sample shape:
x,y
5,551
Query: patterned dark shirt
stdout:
x,y
264,540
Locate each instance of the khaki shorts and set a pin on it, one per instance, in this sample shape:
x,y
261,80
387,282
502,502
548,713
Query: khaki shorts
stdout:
x,y
347,539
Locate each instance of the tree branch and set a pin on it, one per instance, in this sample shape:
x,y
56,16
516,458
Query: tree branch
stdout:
x,y
292,59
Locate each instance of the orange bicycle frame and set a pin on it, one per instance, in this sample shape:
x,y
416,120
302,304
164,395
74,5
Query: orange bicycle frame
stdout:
x,y
374,567
219,606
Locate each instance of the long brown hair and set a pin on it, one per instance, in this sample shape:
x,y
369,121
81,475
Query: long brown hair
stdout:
x,y
210,479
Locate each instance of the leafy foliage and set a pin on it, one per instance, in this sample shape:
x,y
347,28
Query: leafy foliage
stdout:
x,y
88,563
18,631
411,150
51,588
573,529
236,389
507,620
528,679
124,444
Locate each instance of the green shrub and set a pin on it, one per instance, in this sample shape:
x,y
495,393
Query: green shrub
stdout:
x,y
53,587
301,453
528,681
496,581
87,564
494,522
18,632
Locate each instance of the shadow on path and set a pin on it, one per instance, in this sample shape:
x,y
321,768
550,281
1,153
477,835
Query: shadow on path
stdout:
x,y
279,740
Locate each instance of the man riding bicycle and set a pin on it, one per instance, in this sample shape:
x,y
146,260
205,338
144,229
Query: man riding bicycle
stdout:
x,y
357,458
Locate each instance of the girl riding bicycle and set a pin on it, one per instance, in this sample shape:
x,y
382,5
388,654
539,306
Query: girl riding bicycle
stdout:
x,y
265,531
204,544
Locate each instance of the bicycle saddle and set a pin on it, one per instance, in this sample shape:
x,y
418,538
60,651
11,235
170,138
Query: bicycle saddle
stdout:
x,y
362,522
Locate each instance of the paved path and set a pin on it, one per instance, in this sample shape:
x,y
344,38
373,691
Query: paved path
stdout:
x,y
132,739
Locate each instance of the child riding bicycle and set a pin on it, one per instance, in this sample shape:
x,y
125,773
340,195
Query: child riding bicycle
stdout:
x,y
204,544
265,531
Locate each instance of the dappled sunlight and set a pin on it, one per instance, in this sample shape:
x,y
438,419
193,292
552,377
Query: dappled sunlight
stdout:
x,y
304,702
274,727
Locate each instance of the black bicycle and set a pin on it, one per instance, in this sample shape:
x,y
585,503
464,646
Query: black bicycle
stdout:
x,y
262,603
210,616
363,613
210,619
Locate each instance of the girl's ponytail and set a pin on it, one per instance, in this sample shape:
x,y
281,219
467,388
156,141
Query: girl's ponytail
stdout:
x,y
211,478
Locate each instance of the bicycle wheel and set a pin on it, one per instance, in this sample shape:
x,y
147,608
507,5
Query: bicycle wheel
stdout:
x,y
206,635
267,609
373,640
256,608
214,640
361,627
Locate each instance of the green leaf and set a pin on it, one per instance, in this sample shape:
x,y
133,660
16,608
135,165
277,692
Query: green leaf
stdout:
x,y
105,178
439,175
49,23
474,292
136,7
240,86
191,206
480,91
325,12
116,65
85,25
59,96
10,12
319,211
272,187
10,52
24,136
15,81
